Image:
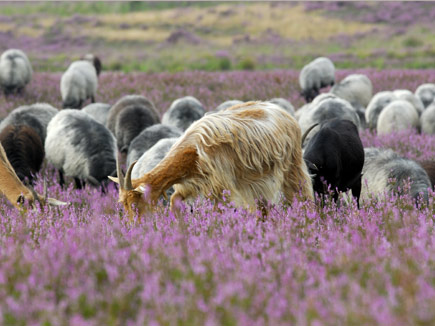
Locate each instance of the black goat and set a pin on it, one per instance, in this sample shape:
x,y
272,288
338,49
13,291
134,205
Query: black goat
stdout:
x,y
335,157
24,150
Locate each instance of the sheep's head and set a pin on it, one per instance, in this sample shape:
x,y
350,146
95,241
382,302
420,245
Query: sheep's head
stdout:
x,y
132,198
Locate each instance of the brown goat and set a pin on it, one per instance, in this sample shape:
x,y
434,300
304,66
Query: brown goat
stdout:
x,y
24,149
15,191
252,149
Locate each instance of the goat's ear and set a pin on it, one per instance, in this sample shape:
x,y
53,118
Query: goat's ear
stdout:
x,y
114,179
55,202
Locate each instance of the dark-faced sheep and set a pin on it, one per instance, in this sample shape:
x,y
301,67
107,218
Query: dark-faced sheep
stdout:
x,y
36,116
183,112
397,116
335,157
147,138
385,171
252,150
80,147
79,83
24,149
316,75
15,71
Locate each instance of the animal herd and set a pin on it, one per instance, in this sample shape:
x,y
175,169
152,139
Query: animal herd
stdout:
x,y
253,153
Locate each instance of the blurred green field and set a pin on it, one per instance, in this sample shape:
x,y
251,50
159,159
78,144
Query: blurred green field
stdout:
x,y
214,36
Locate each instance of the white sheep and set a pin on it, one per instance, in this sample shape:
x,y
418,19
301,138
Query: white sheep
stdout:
x,y
426,93
407,95
79,83
376,105
396,116
427,120
283,103
317,74
356,89
15,71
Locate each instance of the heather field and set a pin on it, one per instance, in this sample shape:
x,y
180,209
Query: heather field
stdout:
x,y
85,264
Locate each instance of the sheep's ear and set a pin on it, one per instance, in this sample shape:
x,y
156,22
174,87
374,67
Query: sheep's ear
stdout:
x,y
55,202
114,179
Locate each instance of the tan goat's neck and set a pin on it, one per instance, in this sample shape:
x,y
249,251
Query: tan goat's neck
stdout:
x,y
177,165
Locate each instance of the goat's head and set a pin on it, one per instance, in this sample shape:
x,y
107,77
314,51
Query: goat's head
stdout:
x,y
132,198
29,197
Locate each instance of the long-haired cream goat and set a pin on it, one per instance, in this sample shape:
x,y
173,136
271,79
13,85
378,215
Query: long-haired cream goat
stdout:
x,y
252,149
15,191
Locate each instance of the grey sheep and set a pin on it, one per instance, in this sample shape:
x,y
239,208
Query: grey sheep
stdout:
x,y
385,171
426,93
427,120
37,116
15,71
325,107
147,138
318,74
285,104
396,116
183,112
80,147
356,89
128,117
224,105
80,82
98,111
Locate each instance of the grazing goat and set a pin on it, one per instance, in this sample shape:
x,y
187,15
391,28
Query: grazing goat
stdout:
x,y
24,149
335,157
252,149
15,191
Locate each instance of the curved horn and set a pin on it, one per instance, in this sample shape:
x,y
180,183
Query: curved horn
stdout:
x,y
128,185
120,174
307,132
35,195
45,189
